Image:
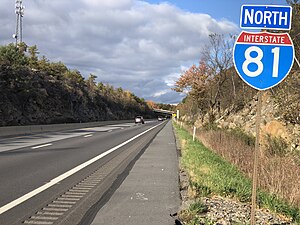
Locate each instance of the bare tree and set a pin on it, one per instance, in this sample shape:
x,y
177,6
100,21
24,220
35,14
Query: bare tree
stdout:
x,y
217,56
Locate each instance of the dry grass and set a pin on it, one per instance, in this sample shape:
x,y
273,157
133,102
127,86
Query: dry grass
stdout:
x,y
278,175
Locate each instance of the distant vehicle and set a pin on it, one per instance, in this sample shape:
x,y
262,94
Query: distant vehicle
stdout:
x,y
160,118
139,119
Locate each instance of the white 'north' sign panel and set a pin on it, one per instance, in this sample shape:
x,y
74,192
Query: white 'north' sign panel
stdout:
x,y
266,17
263,59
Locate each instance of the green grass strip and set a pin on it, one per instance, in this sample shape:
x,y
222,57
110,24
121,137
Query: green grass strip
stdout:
x,y
211,174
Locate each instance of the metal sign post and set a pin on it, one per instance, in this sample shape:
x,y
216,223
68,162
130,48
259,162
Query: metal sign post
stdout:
x,y
256,158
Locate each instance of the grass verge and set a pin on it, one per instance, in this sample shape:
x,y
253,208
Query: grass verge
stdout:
x,y
212,175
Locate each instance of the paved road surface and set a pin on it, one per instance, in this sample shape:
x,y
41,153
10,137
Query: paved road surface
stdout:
x,y
65,178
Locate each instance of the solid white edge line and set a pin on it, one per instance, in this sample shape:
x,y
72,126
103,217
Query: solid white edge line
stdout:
x,y
67,174
41,146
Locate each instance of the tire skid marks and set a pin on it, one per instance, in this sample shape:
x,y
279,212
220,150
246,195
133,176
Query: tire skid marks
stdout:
x,y
54,210
108,128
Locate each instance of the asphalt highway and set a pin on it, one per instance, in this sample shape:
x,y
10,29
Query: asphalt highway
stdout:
x,y
55,178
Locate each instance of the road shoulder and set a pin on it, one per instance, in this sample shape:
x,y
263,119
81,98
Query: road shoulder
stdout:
x,y
150,192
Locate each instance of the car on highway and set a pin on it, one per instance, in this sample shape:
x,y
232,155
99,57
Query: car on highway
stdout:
x,y
139,119
160,118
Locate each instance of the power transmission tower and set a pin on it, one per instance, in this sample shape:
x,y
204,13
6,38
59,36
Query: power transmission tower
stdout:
x,y
19,10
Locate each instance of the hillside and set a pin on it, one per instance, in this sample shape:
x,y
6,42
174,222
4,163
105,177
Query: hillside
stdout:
x,y
37,91
223,109
217,96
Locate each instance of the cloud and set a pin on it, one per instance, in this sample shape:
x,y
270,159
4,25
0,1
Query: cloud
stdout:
x,y
131,44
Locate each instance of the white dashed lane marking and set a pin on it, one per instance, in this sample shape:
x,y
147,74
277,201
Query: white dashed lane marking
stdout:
x,y
41,146
89,135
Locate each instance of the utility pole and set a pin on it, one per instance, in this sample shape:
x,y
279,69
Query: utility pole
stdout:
x,y
19,10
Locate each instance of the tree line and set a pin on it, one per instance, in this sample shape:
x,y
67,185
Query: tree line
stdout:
x,y
34,90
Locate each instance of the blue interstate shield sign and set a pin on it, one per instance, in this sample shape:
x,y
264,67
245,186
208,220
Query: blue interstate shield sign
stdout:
x,y
263,59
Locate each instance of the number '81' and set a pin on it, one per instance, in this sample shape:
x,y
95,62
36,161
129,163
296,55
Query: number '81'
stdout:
x,y
257,60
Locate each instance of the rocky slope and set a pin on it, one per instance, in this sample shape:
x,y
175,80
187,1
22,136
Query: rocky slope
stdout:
x,y
37,97
271,123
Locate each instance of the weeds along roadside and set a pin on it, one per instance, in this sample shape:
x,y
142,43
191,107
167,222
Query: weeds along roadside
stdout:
x,y
227,170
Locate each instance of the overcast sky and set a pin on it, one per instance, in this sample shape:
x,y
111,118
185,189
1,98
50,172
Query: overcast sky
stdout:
x,y
141,46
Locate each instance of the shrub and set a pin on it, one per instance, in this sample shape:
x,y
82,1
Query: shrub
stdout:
x,y
241,135
276,146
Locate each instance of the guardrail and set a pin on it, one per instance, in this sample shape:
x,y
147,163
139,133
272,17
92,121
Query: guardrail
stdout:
x,y
36,129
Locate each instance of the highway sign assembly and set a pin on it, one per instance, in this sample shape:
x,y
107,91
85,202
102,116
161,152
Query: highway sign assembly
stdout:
x,y
263,59
266,17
